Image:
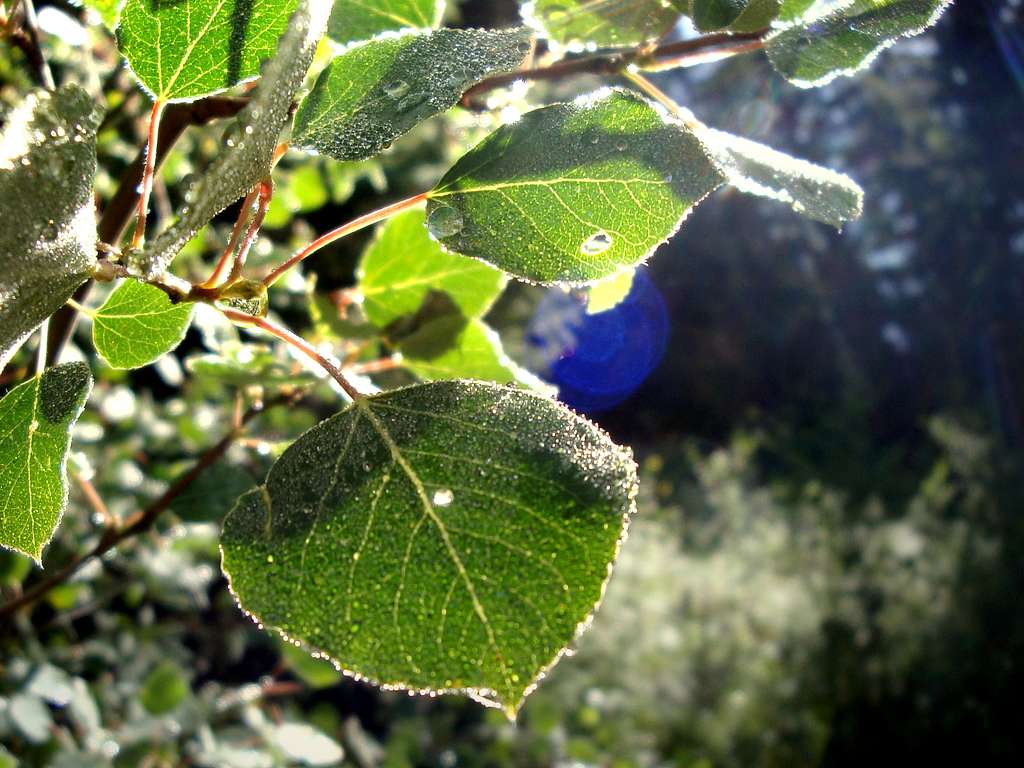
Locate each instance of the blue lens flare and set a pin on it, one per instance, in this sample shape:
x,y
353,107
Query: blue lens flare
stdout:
x,y
599,360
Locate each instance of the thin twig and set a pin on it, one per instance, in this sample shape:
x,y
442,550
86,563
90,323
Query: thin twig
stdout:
x,y
28,40
148,170
138,523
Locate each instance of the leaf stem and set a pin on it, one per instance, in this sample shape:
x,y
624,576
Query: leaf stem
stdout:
x,y
650,89
355,225
223,264
44,333
299,343
264,193
147,173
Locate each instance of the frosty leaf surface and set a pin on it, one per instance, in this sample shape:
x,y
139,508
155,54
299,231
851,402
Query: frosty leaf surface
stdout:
x,y
811,190
603,22
373,93
251,138
36,419
138,325
452,536
829,42
353,20
183,49
573,192
403,265
47,218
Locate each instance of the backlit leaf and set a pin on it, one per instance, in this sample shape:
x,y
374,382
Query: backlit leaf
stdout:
x,y
455,348
373,93
353,20
183,49
829,43
573,192
811,190
610,292
47,220
717,14
446,537
35,432
603,22
138,325
403,265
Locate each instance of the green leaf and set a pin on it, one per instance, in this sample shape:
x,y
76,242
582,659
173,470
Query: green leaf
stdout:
x,y
603,23
717,14
403,265
610,292
48,225
794,9
164,689
244,365
353,20
253,136
375,92
758,15
573,192
138,324
826,44
213,493
446,537
109,11
183,49
811,190
455,348
36,419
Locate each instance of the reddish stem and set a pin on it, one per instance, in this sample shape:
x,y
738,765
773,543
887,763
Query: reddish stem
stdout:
x,y
147,174
264,193
224,263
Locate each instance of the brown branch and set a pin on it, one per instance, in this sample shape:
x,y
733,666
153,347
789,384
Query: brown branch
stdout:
x,y
118,213
138,523
27,39
612,63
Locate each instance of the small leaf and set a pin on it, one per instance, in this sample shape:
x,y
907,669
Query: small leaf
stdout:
x,y
758,15
35,432
446,537
48,221
373,93
403,265
620,22
256,131
303,744
164,689
183,49
827,43
811,190
353,20
573,192
455,348
138,324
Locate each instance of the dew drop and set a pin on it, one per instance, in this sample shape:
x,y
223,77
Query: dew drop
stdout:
x,y
444,221
599,242
397,89
443,497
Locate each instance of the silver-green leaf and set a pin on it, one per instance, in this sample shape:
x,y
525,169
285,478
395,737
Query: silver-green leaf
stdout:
x,y
47,221
447,537
373,93
573,192
36,419
138,325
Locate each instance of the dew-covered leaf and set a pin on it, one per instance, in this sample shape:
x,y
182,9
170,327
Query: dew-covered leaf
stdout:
x,y
403,265
811,190
252,137
183,49
452,536
373,93
603,22
828,43
47,216
353,20
36,419
573,192
138,325
453,347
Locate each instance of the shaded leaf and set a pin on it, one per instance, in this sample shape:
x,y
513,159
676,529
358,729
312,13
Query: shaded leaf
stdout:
x,y
455,348
446,537
573,192
183,49
353,20
213,493
164,688
717,14
811,190
138,325
47,221
794,9
373,93
403,264
620,22
36,419
826,44
256,130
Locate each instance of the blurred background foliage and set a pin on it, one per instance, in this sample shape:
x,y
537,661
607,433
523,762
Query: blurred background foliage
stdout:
x,y
826,566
